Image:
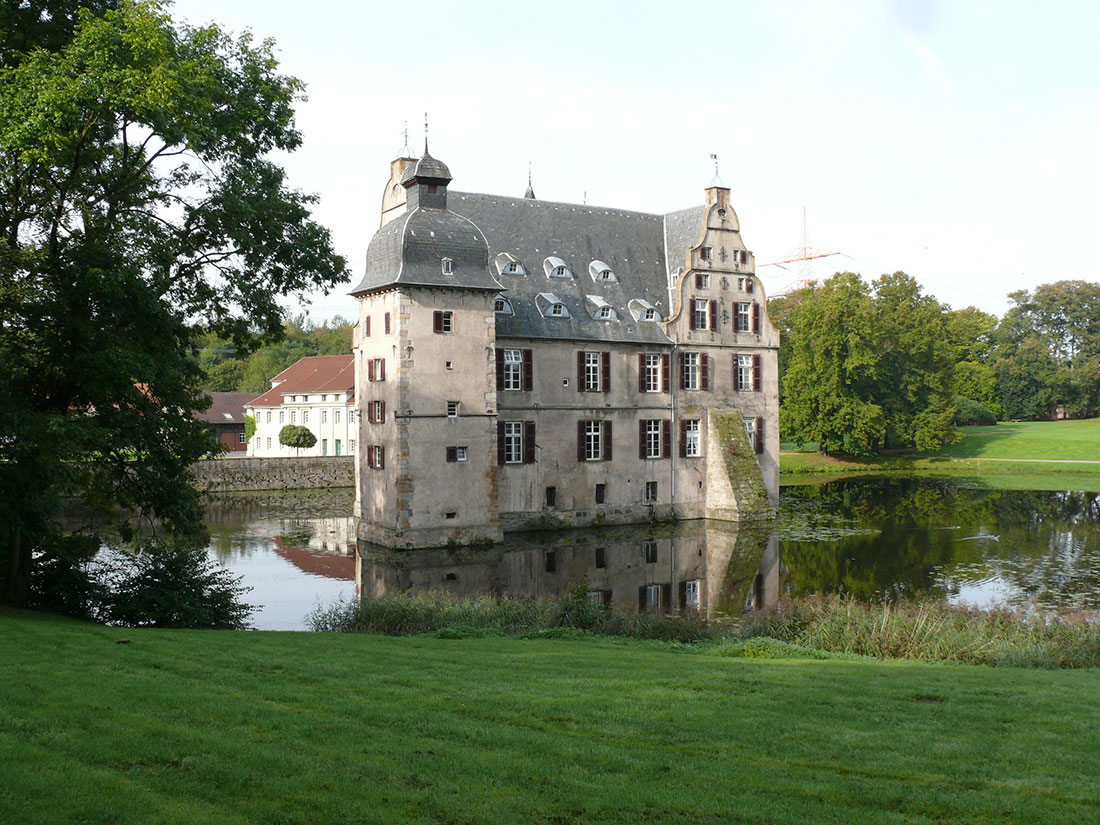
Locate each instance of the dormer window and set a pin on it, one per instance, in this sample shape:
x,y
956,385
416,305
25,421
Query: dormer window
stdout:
x,y
448,266
551,306
506,263
558,311
601,272
650,315
606,314
643,310
502,306
556,268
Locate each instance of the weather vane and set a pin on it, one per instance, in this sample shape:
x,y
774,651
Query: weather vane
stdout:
x,y
425,133
405,150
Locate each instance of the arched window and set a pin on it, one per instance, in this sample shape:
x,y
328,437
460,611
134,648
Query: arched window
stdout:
x,y
502,306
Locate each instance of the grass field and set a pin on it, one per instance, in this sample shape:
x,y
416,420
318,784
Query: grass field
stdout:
x,y
1034,455
234,727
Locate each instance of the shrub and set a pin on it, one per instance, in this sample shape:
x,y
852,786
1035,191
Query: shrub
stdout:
x,y
65,578
971,413
171,584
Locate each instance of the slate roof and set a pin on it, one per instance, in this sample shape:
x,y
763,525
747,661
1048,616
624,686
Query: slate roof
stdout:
x,y
632,244
315,373
226,407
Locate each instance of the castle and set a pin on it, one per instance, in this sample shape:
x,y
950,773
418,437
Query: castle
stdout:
x,y
526,364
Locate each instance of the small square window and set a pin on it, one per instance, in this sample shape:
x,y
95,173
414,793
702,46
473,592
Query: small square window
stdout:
x,y
451,514
449,366
460,453
452,409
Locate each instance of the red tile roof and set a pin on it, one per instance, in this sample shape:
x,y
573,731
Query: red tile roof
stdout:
x,y
317,373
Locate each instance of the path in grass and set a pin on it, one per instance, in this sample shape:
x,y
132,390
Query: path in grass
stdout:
x,y
192,726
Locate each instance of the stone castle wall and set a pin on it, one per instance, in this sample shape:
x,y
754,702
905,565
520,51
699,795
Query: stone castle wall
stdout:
x,y
237,474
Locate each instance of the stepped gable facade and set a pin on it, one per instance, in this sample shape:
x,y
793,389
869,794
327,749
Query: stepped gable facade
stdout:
x,y
528,364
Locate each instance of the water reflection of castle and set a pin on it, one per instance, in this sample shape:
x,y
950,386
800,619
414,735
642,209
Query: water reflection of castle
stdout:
x,y
715,567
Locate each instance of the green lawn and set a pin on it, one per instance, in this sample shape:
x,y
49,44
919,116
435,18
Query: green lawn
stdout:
x,y
1056,442
234,727
1061,440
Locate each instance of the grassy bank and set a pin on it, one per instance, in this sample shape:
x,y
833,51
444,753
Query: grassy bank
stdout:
x,y
1036,455
231,727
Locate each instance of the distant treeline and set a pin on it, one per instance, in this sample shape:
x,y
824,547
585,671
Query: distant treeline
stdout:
x,y
870,366
229,370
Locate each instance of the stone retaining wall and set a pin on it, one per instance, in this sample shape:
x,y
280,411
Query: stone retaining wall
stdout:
x,y
235,474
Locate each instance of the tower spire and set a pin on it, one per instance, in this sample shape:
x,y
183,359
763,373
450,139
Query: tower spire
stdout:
x,y
530,193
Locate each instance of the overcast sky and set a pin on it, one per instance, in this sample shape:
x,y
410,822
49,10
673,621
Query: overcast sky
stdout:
x,y
957,141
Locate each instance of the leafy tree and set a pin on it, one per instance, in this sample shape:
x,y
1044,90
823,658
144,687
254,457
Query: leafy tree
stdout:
x,y
832,372
138,207
45,24
297,436
976,382
970,333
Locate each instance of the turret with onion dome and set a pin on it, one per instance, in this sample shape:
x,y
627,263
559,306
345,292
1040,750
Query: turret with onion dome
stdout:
x,y
429,245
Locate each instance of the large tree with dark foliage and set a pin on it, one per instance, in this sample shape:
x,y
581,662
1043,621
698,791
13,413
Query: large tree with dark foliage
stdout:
x,y
138,204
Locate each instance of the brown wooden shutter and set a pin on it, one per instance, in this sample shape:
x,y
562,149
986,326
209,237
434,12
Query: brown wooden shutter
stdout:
x,y
528,371
370,456
452,454
748,281
683,378
736,380
698,280
683,438
666,438
755,317
712,314
580,441
580,372
664,372
641,372
437,321
756,373
387,320
382,458
759,425
382,413
691,314
382,370
500,370
370,369
641,439
607,441
666,598
605,371
704,371
500,442
366,328
528,442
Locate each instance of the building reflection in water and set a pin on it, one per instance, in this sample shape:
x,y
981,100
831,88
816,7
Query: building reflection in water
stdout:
x,y
719,568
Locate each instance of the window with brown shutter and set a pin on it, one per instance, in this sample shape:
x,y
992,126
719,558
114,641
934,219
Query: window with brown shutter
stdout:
x,y
642,439
606,441
666,438
528,442
758,441
437,321
452,454
605,368
580,371
755,317
370,370
756,373
381,458
704,371
528,371
641,372
665,359
712,314
691,314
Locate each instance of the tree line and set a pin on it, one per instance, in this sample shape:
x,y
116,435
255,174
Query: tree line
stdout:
x,y
882,365
229,368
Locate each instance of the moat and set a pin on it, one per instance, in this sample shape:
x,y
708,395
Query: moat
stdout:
x,y
873,538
